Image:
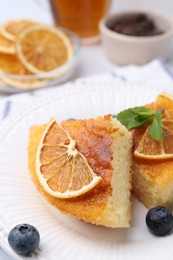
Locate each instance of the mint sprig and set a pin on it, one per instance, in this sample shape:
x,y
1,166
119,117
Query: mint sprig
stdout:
x,y
156,128
139,116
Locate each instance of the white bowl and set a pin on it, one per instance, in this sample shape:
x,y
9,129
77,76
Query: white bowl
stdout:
x,y
123,49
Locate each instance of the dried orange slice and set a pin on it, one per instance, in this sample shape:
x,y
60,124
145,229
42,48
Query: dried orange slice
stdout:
x,y
43,48
149,148
164,101
6,46
12,29
11,64
62,170
24,84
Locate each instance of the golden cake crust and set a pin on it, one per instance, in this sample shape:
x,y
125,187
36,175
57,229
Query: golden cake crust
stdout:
x,y
94,139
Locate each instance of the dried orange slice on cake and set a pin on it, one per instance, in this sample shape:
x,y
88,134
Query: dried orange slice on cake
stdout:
x,y
164,101
147,147
42,48
12,29
63,171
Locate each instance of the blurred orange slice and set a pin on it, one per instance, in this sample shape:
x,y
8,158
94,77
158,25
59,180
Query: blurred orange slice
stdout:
x,y
23,84
11,64
6,46
63,172
43,48
19,75
12,29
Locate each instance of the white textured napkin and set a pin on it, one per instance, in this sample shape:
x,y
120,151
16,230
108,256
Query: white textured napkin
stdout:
x,y
155,72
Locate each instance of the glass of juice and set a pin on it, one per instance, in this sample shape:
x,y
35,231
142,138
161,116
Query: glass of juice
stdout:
x,y
80,16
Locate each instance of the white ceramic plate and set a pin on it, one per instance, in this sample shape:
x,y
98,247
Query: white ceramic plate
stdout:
x,y
62,237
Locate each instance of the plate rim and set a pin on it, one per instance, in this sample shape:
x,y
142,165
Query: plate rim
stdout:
x,y
71,89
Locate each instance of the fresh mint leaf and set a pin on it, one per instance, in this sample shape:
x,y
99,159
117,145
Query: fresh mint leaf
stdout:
x,y
156,129
146,115
126,117
135,117
137,110
137,123
139,116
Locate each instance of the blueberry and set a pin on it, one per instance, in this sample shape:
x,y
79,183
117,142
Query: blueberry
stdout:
x,y
159,221
24,239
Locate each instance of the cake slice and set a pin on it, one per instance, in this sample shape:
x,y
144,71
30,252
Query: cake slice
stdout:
x,y
152,172
106,145
153,182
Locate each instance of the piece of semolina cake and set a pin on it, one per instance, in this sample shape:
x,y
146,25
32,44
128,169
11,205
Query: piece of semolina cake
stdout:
x,y
152,182
152,179
106,144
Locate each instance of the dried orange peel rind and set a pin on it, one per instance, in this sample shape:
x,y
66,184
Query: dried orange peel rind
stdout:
x,y
42,48
63,172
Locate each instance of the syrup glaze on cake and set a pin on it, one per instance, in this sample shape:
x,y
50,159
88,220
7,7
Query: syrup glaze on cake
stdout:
x,y
102,141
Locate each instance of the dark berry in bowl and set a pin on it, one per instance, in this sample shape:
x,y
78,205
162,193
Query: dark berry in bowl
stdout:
x,y
24,239
159,221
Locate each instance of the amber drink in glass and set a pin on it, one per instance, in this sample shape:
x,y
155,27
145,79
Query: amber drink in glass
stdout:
x,y
80,16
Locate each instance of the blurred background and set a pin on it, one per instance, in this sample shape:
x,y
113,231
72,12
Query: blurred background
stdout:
x,y
10,9
40,10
